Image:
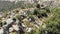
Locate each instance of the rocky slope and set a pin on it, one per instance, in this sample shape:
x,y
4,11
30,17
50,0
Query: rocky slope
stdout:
x,y
21,21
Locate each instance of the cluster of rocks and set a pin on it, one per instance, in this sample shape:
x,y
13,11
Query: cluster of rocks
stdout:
x,y
11,24
19,21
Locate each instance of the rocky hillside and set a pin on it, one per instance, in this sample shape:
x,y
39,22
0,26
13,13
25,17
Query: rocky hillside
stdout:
x,y
41,19
22,21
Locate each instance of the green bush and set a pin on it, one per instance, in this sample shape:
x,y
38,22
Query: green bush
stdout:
x,y
40,13
36,12
53,24
18,17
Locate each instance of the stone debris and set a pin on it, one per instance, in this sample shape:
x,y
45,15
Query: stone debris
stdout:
x,y
28,29
15,25
10,29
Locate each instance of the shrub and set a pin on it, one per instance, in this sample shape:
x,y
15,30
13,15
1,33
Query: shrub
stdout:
x,y
40,13
38,5
36,12
19,17
52,24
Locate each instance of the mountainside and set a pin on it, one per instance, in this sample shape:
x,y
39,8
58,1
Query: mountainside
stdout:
x,y
23,17
22,20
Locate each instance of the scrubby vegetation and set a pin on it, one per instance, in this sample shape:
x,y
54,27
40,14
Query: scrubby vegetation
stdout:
x,y
52,23
40,19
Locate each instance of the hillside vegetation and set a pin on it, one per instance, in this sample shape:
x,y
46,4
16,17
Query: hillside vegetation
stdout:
x,y
27,19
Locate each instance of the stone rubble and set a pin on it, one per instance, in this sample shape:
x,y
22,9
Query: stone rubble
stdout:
x,y
12,25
